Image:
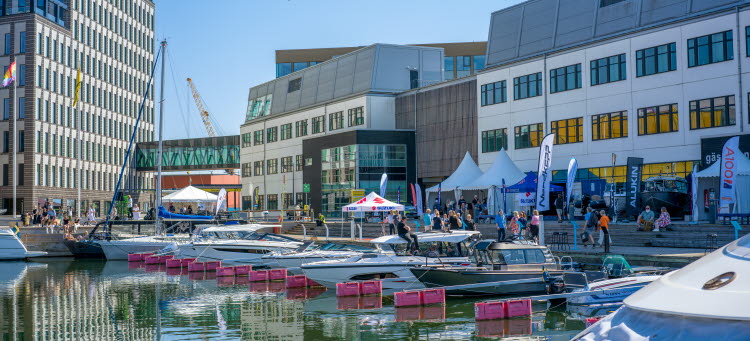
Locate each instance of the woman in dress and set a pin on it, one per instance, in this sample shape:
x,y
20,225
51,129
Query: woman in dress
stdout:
x,y
663,221
92,215
514,228
534,226
136,212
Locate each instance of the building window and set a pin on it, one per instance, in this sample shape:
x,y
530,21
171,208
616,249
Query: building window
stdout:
x,y
529,136
286,164
356,116
336,120
258,168
657,59
8,45
246,170
299,66
283,69
298,162
608,69
747,41
448,67
273,202
247,140
301,128
713,48
319,124
257,137
611,125
286,131
479,62
712,112
260,201
493,93
658,119
22,42
568,131
294,85
565,78
272,166
463,66
527,86
494,140
272,134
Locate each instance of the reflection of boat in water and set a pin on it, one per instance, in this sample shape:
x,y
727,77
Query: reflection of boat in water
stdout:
x,y
13,272
707,299
666,191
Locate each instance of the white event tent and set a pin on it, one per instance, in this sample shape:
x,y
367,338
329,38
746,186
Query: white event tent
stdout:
x,y
372,203
709,178
466,171
501,169
190,194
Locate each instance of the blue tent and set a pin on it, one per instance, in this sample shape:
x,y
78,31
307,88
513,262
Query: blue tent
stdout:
x,y
528,184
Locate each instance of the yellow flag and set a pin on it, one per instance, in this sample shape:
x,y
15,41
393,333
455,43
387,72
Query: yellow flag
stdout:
x,y
78,88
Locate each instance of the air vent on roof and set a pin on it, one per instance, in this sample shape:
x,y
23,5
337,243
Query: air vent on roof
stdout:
x,y
294,85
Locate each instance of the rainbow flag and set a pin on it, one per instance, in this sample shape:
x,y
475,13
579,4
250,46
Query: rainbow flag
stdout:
x,y
10,74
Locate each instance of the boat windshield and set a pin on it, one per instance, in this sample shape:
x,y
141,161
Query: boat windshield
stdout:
x,y
513,256
227,234
269,237
434,249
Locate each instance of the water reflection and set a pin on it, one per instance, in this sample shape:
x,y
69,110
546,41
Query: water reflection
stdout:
x,y
99,300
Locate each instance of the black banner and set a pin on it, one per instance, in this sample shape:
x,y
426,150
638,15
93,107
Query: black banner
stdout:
x,y
711,148
633,185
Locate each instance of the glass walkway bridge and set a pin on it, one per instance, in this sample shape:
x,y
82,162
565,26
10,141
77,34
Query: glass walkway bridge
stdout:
x,y
208,153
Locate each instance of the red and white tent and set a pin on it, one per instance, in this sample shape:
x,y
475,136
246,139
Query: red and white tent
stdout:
x,y
372,203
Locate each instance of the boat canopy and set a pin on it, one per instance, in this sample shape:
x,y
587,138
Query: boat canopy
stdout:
x,y
372,203
234,228
426,237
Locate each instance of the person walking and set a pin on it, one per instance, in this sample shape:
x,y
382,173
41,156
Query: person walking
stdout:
x,y
427,218
500,221
592,221
392,223
560,207
534,226
604,231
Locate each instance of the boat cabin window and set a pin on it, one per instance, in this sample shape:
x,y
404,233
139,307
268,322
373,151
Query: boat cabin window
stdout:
x,y
517,256
375,276
434,249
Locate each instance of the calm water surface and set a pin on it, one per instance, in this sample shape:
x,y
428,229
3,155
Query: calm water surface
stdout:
x,y
66,299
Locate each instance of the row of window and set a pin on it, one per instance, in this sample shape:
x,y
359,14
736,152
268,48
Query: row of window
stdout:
x,y
271,166
704,113
21,141
355,117
708,49
67,177
59,145
6,175
67,117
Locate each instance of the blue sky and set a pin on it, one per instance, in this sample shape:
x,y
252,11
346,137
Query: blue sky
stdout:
x,y
228,46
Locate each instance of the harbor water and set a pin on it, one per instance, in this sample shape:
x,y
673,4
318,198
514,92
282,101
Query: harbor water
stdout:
x,y
67,299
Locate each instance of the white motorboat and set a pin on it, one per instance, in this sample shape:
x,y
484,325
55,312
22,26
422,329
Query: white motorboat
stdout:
x,y
12,248
310,253
118,249
613,290
391,263
705,300
236,244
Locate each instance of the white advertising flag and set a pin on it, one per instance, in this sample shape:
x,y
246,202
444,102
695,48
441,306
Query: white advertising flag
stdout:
x,y
728,174
572,170
419,199
544,175
383,184
694,193
221,199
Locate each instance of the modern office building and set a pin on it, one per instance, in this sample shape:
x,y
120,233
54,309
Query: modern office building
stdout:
x,y
313,135
460,60
112,42
629,78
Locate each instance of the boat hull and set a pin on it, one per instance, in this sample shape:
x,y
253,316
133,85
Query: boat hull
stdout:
x,y
329,276
119,250
230,254
436,277
11,248
677,203
84,249
617,290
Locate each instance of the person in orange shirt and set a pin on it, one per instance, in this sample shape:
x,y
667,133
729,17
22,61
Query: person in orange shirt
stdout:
x,y
604,232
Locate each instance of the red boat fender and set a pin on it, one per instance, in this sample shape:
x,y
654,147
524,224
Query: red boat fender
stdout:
x,y
151,260
299,281
187,261
489,310
406,298
277,274
135,257
225,271
515,308
347,289
213,265
243,270
196,266
371,288
163,259
258,276
432,296
591,320
174,263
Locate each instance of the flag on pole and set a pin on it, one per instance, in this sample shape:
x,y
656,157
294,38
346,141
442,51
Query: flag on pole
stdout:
x,y
419,200
221,199
694,193
544,173
572,170
77,88
10,74
16,230
728,193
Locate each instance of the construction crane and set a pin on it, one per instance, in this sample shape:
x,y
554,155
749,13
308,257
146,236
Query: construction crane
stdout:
x,y
204,115
201,109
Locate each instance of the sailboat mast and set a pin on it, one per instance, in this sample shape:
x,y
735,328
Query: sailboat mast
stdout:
x,y
161,137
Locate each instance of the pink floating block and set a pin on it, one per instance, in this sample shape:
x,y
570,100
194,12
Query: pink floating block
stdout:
x,y
432,296
151,260
186,261
135,257
163,259
146,254
489,310
277,274
258,276
299,281
174,263
371,288
435,313
225,271
347,289
347,302
591,320
408,313
213,265
197,266
311,283
371,302
406,298
242,270
515,308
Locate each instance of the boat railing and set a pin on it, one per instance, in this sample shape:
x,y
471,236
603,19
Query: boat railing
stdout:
x,y
566,265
